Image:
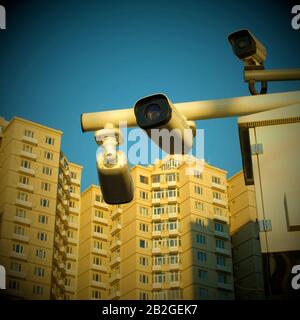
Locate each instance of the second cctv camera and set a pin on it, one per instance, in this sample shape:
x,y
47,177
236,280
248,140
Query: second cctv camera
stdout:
x,y
175,134
247,48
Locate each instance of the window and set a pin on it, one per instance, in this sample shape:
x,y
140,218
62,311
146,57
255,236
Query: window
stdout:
x,y
70,234
39,271
144,195
23,180
201,239
47,171
159,277
67,282
199,206
201,256
143,261
198,190
200,222
19,230
96,294
96,277
143,278
202,274
220,244
143,211
14,285
21,213
97,261
22,196
18,248
216,180
203,292
44,203
171,164
99,214
156,178
218,211
143,227
29,133
45,186
50,141
172,193
219,227
222,278
15,266
43,219
217,195
197,174
42,236
38,290
144,179
171,177
143,243
98,198
220,260
40,253
70,249
25,164
143,295
73,175
48,155
27,148
158,210
98,229
158,194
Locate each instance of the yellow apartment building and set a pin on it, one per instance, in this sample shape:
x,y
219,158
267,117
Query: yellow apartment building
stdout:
x,y
246,247
171,242
39,208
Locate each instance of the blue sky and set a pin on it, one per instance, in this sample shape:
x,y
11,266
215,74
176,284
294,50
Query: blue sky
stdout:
x,y
61,58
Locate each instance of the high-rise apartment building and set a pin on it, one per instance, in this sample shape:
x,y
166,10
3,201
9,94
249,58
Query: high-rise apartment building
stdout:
x,y
39,208
171,242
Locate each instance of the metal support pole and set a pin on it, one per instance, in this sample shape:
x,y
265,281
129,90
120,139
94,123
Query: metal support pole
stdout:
x,y
272,75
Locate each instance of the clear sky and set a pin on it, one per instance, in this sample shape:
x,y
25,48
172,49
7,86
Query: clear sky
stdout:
x,y
60,58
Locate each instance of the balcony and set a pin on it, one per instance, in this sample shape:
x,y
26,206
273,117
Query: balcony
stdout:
x,y
173,215
30,140
223,218
17,274
172,183
99,268
156,250
156,217
115,244
101,205
175,284
17,255
116,228
70,289
28,171
21,220
223,268
19,237
23,203
174,232
155,185
225,286
174,249
220,202
223,251
75,181
100,235
172,199
157,285
116,213
222,234
114,295
114,278
74,210
174,266
101,252
74,195
98,284
156,233
156,200
26,187
218,186
71,256
101,220
73,225
114,261
72,240
156,267
28,155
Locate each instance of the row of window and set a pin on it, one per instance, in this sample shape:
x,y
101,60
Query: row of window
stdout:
x,y
168,177
168,193
30,134
203,256
15,285
163,277
201,239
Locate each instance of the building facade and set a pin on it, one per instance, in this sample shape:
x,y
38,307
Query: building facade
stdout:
x,y
34,228
171,242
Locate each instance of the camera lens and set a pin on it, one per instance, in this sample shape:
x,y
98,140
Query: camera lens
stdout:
x,y
152,111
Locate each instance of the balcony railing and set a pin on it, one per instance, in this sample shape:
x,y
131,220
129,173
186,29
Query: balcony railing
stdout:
x,y
29,171
29,155
21,220
24,203
20,237
30,140
218,186
220,202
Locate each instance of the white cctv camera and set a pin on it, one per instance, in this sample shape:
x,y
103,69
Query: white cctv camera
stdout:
x,y
248,48
113,172
164,124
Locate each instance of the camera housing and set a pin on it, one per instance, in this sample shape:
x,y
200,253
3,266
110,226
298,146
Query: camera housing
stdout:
x,y
248,48
115,180
175,134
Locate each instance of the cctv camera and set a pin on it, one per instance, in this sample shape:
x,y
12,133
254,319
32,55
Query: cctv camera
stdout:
x,y
247,48
115,181
175,134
